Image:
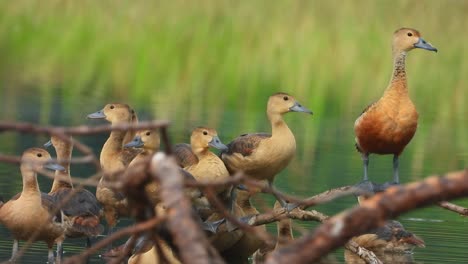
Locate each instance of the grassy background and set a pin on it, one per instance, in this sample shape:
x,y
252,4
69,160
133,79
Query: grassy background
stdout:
x,y
215,62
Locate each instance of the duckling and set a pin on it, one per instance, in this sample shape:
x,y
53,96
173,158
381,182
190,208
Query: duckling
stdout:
x,y
114,159
30,215
389,242
210,167
82,208
260,155
149,141
388,125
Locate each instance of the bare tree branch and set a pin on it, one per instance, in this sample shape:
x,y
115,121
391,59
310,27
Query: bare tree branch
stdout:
x,y
390,203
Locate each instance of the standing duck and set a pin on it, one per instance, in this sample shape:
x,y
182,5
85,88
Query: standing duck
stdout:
x,y
260,155
82,207
388,125
114,159
31,214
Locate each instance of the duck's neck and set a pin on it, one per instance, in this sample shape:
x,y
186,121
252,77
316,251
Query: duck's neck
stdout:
x,y
398,81
200,152
278,126
30,185
62,179
114,142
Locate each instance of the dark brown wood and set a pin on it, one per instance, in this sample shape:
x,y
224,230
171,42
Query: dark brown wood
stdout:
x,y
389,204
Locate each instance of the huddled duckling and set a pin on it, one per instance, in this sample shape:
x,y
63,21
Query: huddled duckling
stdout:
x,y
82,207
391,243
388,125
114,159
262,156
32,214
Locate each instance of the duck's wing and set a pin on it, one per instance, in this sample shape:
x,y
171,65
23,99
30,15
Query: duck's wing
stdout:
x,y
82,202
49,203
184,155
245,144
128,154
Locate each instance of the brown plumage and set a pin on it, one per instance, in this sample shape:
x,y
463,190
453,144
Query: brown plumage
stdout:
x,y
259,155
389,242
388,125
209,167
82,208
114,159
32,214
249,242
184,155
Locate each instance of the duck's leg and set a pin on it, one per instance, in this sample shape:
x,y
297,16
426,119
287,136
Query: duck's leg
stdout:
x,y
59,252
396,177
14,251
286,205
365,162
50,256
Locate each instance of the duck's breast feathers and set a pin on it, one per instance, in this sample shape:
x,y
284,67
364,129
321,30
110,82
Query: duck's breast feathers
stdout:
x,y
184,155
245,144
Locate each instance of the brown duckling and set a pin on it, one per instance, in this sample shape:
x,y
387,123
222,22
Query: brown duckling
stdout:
x,y
82,209
388,125
32,214
114,159
260,155
390,242
209,168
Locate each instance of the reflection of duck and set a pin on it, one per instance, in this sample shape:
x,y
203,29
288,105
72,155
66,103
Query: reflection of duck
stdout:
x,y
388,125
30,215
82,208
259,155
114,159
389,242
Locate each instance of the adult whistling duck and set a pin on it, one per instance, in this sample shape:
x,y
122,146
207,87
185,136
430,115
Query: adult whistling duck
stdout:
x,y
114,159
32,214
388,125
260,155
81,206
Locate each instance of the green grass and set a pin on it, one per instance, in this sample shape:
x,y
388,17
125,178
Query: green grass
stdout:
x,y
215,62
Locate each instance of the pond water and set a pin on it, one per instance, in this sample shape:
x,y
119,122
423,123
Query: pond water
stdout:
x,y
325,159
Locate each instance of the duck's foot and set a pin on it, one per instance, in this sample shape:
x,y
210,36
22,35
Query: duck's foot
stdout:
x,y
245,219
212,226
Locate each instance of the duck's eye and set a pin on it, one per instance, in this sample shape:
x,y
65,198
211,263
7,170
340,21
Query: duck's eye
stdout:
x,y
410,34
111,107
148,133
285,98
39,155
205,133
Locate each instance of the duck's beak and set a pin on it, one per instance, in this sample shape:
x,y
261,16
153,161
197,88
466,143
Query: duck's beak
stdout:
x,y
48,144
216,143
299,108
97,115
135,143
422,44
53,166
